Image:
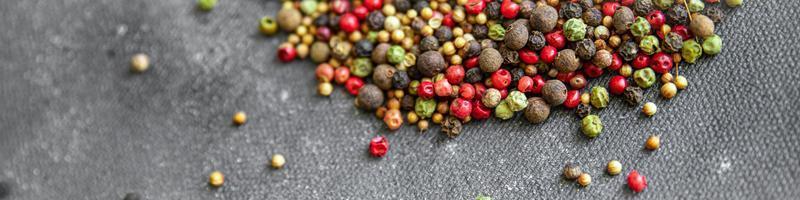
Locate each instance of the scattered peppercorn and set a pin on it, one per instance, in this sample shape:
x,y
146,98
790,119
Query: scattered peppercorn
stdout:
x,y
712,45
128,196
680,82
614,167
691,51
544,18
572,171
268,26
451,127
554,92
206,5
239,118
636,182
584,179
216,179
140,63
599,97
644,78
277,161
649,109
378,146
668,90
653,142
591,126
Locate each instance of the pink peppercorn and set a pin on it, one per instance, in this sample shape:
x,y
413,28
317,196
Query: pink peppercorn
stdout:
x,y
341,75
565,76
573,99
448,20
443,88
626,2
528,56
378,146
471,63
480,89
503,93
501,79
466,91
454,74
591,70
361,12
479,111
556,39
474,7
641,61
617,85
538,84
353,84
682,31
323,33
324,72
340,6
509,9
425,90
656,19
548,54
525,84
661,62
616,63
609,8
636,182
287,53
348,23
460,108
372,4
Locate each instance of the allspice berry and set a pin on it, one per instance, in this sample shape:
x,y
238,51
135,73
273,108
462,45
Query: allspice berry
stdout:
x,y
543,18
572,171
140,63
602,58
653,143
701,25
216,179
554,92
430,63
382,76
277,161
516,36
623,18
537,110
584,179
289,19
566,61
379,53
370,97
490,60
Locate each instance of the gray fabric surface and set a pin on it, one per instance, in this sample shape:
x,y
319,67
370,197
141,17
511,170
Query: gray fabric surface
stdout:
x,y
75,124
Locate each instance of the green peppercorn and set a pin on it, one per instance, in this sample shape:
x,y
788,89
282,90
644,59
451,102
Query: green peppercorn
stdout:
x,y
497,32
481,197
733,3
361,67
712,45
308,6
663,4
206,5
395,54
320,52
503,111
591,126
599,97
425,108
491,98
640,27
268,26
412,87
517,101
289,19
574,29
537,110
644,77
691,51
649,45
696,5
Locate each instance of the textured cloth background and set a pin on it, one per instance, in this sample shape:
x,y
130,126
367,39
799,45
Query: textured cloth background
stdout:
x,y
76,124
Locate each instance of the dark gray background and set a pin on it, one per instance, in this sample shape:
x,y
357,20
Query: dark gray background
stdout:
x,y
75,124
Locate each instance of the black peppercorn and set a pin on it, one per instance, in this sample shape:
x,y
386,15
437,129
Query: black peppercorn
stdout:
x,y
633,95
586,4
623,18
526,9
566,61
516,74
585,49
583,110
413,73
428,43
444,34
333,23
536,41
544,18
473,49
537,110
492,10
480,31
516,36
589,33
673,42
382,76
375,20
592,17
510,57
418,24
430,63
129,196
363,48
400,80
570,10
401,5
677,15
473,75
321,20
451,127
642,7
715,14
628,50
370,97
407,103
554,92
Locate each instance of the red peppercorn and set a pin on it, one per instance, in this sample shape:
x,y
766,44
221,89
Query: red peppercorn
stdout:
x,y
474,7
460,108
323,33
564,77
528,56
573,99
616,63
656,19
471,63
448,20
556,39
372,4
609,8
341,75
578,81
501,79
466,91
503,93
591,70
641,61
525,84
287,53
636,182
617,85
454,74
661,63
626,2
340,6
324,72
479,111
425,90
348,23
361,12
548,54
538,84
353,84
683,31
443,88
378,146
509,9
480,89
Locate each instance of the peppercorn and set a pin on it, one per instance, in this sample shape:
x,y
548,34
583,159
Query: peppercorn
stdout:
x,y
640,27
572,171
430,63
602,58
584,179
451,127
543,18
526,9
378,146
649,45
673,42
623,18
585,49
667,78
443,88
629,50
422,125
396,54
566,61
497,32
537,110
536,40
491,98
554,92
574,29
516,36
375,20
302,51
473,48
206,5
677,14
733,3
363,48
393,118
516,101
583,110
680,82
370,97
503,111
140,63
425,108
239,118
325,88
633,95
320,52
663,4
649,109
599,97
696,5
589,33
701,26
636,182
443,34
668,90
691,51
490,60
644,78
614,167
277,161
267,26
712,45
216,179
383,75
288,18
407,103
437,118
480,31
400,80
715,14
653,142
592,17
591,126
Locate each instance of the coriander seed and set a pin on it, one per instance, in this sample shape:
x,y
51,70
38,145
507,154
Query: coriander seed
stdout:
x,y
668,90
680,82
325,88
422,125
649,109
653,143
614,167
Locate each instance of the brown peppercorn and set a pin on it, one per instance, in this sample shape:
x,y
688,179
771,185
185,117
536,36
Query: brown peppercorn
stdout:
x,y
623,18
289,19
642,7
544,18
379,53
554,92
428,43
633,95
370,97
382,76
320,52
602,58
430,63
510,57
451,127
592,17
566,61
701,26
572,171
490,60
585,49
537,110
516,36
